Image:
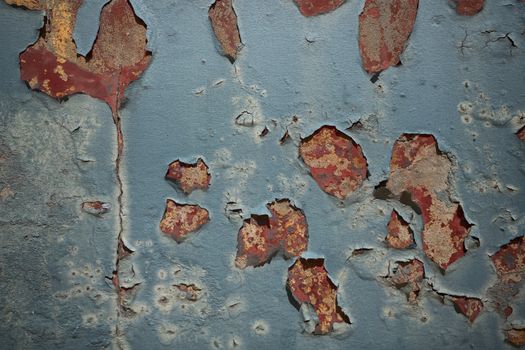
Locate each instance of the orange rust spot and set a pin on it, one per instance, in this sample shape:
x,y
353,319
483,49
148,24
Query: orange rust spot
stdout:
x,y
224,22
262,237
180,220
308,282
417,167
469,7
335,161
96,207
515,336
408,275
118,56
189,176
400,235
384,28
28,4
317,7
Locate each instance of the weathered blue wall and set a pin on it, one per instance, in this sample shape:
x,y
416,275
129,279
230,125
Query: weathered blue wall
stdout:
x,y
56,155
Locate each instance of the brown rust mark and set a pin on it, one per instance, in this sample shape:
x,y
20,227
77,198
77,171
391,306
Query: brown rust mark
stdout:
x,y
180,220
262,237
418,168
400,235
308,282
335,160
28,4
189,292
317,7
515,336
469,7
408,275
189,176
384,28
96,207
469,307
521,134
224,23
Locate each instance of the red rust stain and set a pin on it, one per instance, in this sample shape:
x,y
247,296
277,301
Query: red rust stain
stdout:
x,y
469,7
509,261
224,22
408,275
308,282
317,7
418,168
96,207
469,307
189,176
262,237
335,161
180,220
521,134
400,235
384,28
118,56
515,336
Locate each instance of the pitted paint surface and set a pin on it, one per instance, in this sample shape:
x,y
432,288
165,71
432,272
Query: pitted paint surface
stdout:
x,y
293,75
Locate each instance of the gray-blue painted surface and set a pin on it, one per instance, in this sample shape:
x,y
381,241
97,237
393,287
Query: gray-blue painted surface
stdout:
x,y
54,156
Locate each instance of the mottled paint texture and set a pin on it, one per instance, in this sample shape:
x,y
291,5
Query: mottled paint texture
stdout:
x,y
261,237
309,283
180,220
335,160
384,28
317,7
224,23
417,167
400,235
189,176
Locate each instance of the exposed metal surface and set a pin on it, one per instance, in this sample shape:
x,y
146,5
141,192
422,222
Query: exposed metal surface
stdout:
x,y
460,80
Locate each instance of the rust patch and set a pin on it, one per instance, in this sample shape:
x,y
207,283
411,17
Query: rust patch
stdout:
x,y
400,235
469,307
96,207
224,23
188,176
418,168
317,7
189,292
469,7
262,237
118,56
308,283
335,161
408,276
384,28
515,336
28,4
521,134
180,220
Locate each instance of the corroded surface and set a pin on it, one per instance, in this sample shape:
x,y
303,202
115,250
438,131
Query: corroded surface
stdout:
x,y
119,55
469,307
384,28
180,220
188,176
521,134
515,336
224,23
418,167
317,7
29,4
408,275
96,207
509,261
400,234
335,161
469,7
262,237
309,283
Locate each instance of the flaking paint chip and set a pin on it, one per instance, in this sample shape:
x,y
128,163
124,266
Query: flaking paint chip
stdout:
x,y
384,29
408,275
309,283
179,220
418,168
224,23
336,162
188,176
262,237
317,7
400,235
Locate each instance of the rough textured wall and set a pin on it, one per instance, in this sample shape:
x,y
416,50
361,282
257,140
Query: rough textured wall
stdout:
x,y
262,174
